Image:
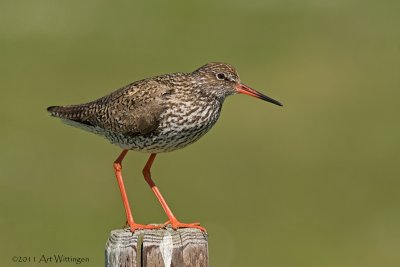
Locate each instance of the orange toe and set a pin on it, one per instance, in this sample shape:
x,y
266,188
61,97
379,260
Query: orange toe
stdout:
x,y
136,226
175,224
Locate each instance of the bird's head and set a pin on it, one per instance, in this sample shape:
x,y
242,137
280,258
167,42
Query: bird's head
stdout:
x,y
221,79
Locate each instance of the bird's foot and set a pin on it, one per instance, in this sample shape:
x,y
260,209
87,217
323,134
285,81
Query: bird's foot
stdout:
x,y
175,224
135,226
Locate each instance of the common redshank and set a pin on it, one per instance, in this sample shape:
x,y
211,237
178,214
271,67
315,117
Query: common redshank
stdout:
x,y
158,114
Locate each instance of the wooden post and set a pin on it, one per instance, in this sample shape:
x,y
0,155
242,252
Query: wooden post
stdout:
x,y
186,247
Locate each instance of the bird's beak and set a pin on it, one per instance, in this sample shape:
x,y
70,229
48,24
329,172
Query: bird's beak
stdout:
x,y
244,89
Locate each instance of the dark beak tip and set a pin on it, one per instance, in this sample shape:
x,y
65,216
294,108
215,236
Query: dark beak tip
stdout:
x,y
277,103
271,100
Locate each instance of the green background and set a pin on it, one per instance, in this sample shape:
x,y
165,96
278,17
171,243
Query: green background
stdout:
x,y
315,183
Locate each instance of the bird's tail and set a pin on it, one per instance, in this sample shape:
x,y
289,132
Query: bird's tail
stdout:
x,y
73,112
74,115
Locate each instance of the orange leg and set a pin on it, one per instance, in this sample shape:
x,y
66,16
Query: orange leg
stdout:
x,y
171,218
129,218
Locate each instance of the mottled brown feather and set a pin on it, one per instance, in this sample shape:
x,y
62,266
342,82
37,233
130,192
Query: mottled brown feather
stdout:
x,y
132,109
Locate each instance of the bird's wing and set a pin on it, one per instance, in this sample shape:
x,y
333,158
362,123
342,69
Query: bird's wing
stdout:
x,y
132,109
141,119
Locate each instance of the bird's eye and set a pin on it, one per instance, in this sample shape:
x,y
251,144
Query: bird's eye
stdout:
x,y
221,76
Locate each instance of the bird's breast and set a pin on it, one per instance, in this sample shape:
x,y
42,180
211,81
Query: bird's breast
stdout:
x,y
189,116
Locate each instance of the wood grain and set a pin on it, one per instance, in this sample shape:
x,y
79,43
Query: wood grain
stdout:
x,y
186,247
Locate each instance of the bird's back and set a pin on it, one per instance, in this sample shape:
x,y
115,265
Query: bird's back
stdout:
x,y
130,109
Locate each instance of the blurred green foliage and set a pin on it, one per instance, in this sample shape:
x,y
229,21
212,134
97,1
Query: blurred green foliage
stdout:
x,y
315,183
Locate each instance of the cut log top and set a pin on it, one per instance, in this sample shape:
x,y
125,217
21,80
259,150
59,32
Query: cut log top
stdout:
x,y
186,247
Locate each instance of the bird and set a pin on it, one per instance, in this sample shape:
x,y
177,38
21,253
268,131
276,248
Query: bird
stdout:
x,y
158,114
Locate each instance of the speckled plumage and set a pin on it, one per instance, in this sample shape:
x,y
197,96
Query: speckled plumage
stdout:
x,y
157,114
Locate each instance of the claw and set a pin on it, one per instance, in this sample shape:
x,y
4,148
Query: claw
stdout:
x,y
177,224
135,226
